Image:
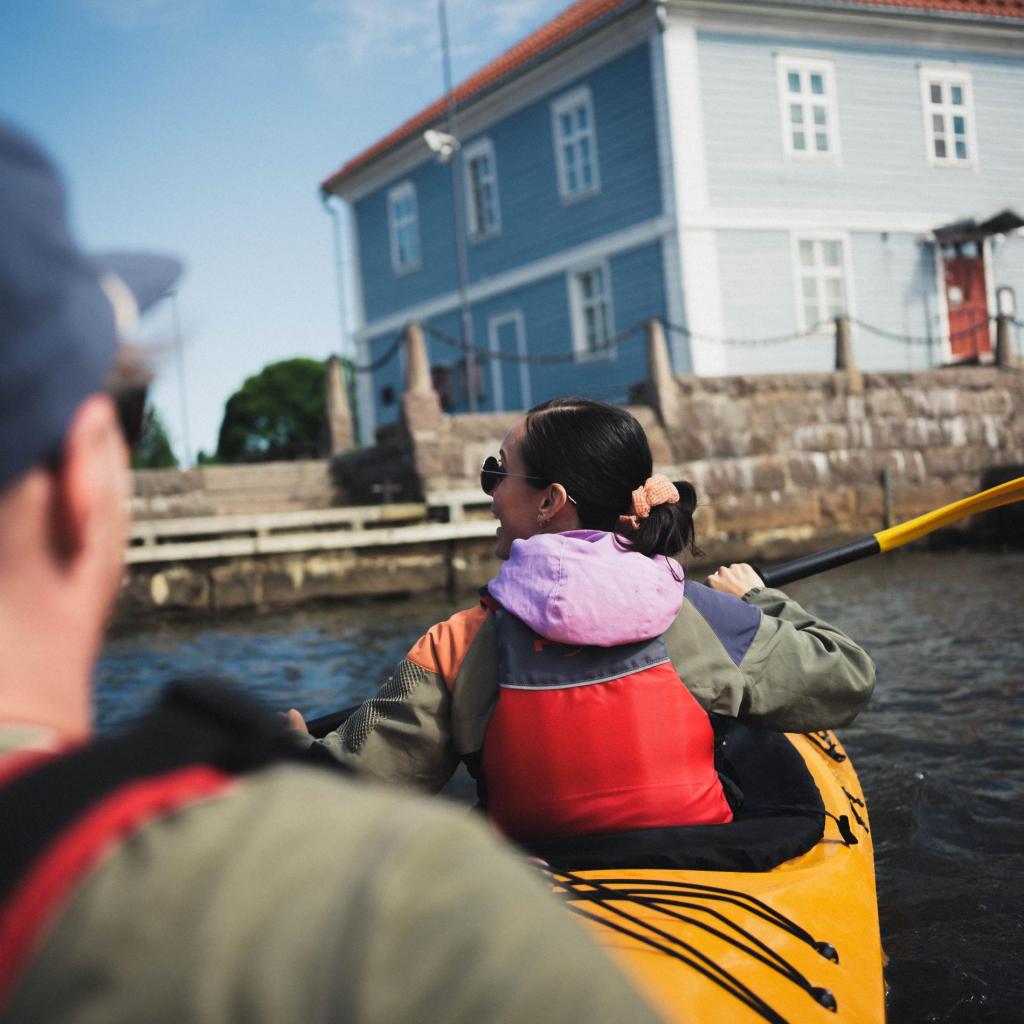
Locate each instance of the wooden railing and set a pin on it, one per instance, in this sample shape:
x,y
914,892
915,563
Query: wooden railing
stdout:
x,y
443,517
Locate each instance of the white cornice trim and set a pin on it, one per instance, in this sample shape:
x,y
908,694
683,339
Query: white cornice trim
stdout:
x,y
867,24
520,91
560,263
787,218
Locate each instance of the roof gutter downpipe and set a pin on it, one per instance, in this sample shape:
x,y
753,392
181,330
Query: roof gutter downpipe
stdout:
x,y
346,347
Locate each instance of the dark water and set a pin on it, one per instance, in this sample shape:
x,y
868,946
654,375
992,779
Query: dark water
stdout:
x,y
938,749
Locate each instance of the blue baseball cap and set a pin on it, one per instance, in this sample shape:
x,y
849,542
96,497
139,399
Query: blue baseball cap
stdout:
x,y
63,314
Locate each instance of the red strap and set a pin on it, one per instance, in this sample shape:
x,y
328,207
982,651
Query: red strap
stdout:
x,y
48,886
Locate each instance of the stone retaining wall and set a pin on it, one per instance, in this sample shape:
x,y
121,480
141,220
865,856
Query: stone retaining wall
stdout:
x,y
784,464
230,490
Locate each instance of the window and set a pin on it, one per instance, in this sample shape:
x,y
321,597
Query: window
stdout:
x,y
822,281
484,217
948,117
591,313
404,224
810,121
575,144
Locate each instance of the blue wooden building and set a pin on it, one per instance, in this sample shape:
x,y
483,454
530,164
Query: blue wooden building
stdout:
x,y
745,171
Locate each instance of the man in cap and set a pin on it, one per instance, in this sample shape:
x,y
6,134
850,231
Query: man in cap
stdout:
x,y
196,869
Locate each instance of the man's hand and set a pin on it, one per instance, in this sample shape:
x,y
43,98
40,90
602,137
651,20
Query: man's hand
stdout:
x,y
294,720
738,578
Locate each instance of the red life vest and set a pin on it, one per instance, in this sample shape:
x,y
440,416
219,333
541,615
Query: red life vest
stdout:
x,y
591,740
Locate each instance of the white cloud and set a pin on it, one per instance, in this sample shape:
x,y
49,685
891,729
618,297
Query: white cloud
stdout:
x,y
359,33
133,14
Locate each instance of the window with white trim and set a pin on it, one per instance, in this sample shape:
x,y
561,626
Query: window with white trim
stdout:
x,y
821,271
810,119
948,117
403,223
572,117
482,214
592,313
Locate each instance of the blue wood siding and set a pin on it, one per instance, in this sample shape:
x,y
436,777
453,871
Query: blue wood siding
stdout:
x,y
637,283
535,221
884,163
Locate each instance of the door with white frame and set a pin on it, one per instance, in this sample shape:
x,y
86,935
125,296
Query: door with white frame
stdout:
x,y
510,378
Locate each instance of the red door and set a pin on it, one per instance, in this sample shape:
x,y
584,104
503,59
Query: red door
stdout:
x,y
963,265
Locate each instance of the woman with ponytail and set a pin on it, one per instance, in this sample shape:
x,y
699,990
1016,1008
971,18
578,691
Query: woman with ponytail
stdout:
x,y
578,692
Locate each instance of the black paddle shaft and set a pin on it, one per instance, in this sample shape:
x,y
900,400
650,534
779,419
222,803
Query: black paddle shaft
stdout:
x,y
811,565
320,727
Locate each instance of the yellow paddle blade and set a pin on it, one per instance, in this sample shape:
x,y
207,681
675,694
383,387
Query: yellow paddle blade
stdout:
x,y
912,529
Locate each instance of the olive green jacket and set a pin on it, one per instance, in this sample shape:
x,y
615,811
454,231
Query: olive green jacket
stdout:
x,y
785,670
299,896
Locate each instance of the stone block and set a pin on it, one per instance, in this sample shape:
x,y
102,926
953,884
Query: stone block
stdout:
x,y
236,584
769,474
852,467
808,470
759,512
839,511
180,587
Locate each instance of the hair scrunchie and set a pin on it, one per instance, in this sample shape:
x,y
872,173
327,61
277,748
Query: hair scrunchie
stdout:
x,y
657,490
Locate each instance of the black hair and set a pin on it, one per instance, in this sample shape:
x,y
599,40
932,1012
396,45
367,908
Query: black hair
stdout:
x,y
600,454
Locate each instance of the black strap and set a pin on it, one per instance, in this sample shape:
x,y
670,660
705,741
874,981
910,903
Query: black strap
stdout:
x,y
202,721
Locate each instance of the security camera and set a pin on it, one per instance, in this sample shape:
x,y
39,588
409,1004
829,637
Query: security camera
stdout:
x,y
441,143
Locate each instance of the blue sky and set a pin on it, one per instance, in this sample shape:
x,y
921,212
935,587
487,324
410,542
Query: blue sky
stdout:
x,y
203,128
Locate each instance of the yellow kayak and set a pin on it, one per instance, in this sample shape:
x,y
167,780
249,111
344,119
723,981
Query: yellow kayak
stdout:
x,y
798,941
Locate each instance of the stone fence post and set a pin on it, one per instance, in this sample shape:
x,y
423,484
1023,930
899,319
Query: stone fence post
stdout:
x,y
844,356
340,437
421,404
417,364
661,382
1005,358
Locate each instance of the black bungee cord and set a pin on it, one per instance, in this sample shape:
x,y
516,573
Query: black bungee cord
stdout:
x,y
579,889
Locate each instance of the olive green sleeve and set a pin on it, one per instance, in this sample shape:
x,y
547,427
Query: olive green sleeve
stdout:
x,y
797,674
802,673
403,733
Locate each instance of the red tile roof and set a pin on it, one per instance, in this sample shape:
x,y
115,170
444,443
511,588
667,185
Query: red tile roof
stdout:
x,y
584,15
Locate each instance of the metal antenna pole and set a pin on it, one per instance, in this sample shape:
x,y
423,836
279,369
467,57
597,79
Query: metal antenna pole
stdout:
x,y
459,209
179,346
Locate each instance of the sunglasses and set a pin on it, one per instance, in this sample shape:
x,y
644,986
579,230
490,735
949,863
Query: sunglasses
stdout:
x,y
130,406
491,474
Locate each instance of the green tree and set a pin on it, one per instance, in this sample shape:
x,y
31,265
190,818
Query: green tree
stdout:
x,y
154,449
277,414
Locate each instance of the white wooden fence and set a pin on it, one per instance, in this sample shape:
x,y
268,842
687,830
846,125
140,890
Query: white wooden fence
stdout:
x,y
239,536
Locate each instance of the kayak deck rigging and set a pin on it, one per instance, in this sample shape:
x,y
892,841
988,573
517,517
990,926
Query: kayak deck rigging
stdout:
x,y
711,933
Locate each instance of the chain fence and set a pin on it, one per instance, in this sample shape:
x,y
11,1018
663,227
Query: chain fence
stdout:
x,y
816,332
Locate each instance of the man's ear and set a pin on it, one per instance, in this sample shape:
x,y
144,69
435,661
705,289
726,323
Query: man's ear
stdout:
x,y
84,476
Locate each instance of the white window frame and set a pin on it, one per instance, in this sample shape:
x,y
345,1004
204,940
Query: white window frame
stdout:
x,y
567,103
578,305
494,325
805,67
845,275
948,77
482,147
396,194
